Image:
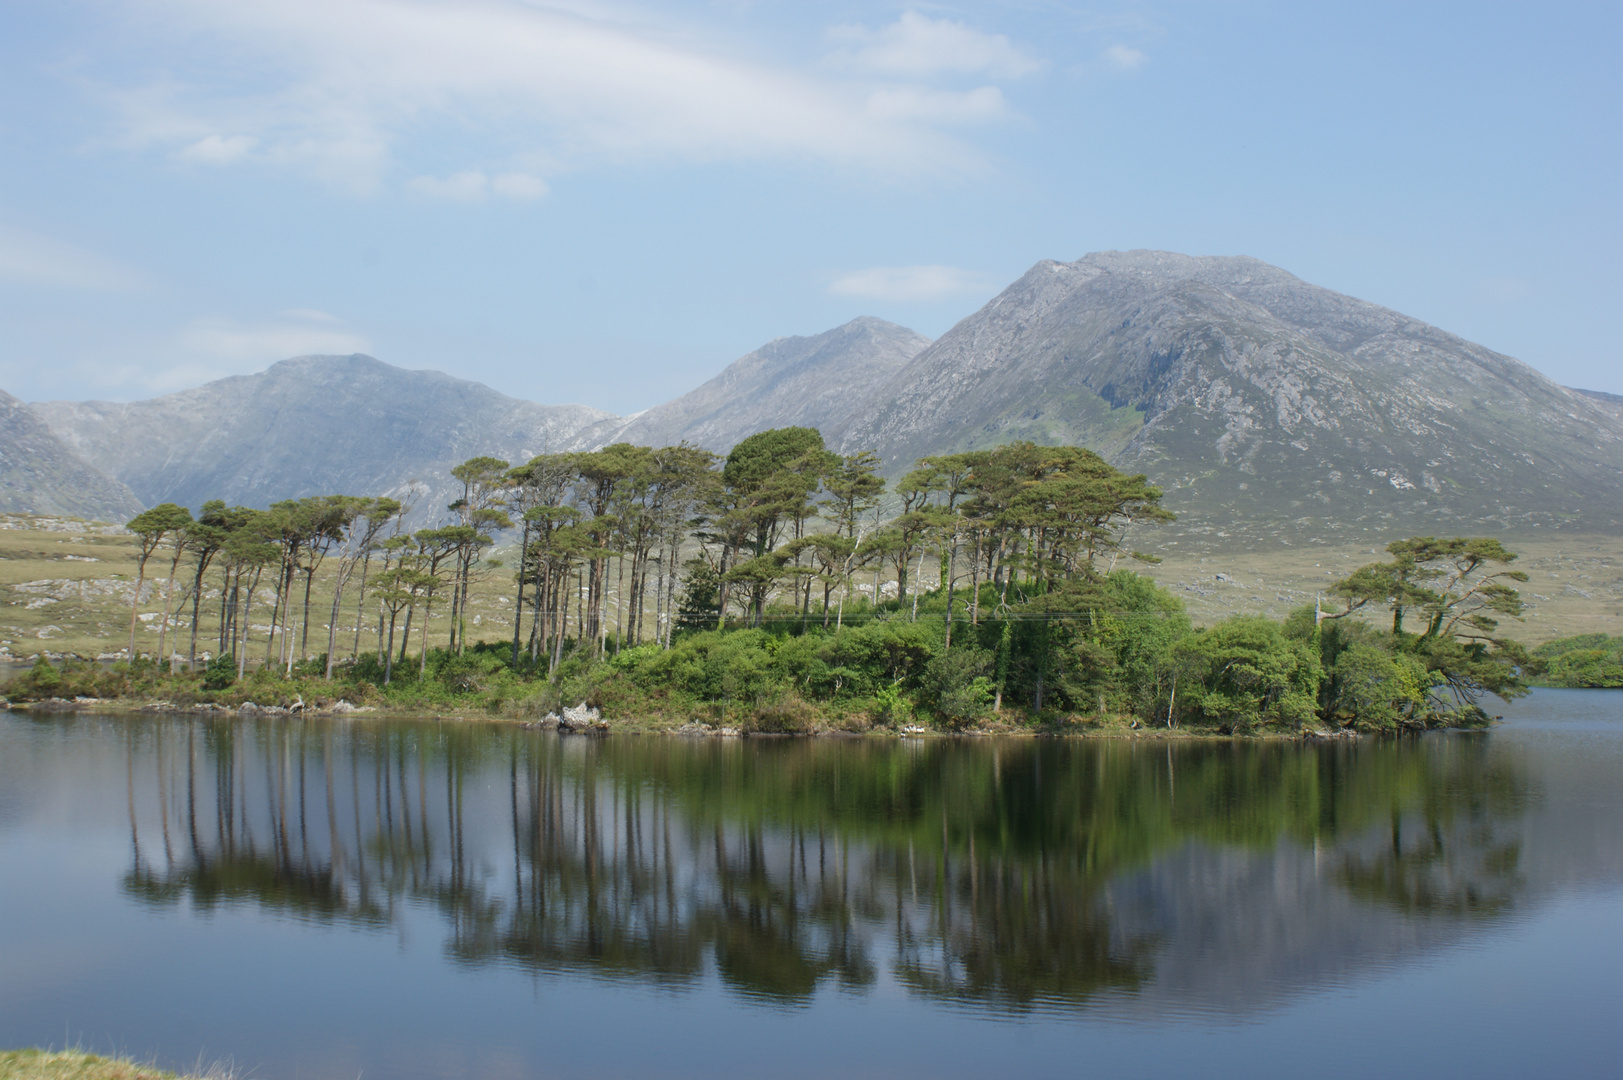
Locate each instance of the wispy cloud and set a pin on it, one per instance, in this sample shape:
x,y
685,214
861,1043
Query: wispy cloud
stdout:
x,y
473,185
33,259
917,45
517,185
939,106
215,347
350,89
314,315
1126,58
458,187
908,283
218,149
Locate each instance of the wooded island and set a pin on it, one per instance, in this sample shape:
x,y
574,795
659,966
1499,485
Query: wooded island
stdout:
x,y
787,588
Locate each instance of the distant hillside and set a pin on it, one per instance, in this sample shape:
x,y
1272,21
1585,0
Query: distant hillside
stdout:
x,y
794,381
39,474
1264,405
308,426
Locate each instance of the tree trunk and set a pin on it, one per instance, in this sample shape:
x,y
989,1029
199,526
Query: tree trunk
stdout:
x,y
332,622
620,616
244,626
168,594
518,600
388,657
135,605
422,644
360,604
304,632
405,635
197,611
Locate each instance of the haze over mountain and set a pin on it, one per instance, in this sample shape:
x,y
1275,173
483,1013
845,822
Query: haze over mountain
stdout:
x,y
1265,406
1259,402
308,426
39,474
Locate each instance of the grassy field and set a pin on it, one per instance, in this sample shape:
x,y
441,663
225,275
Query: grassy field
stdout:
x,y
66,587
74,1065
1576,584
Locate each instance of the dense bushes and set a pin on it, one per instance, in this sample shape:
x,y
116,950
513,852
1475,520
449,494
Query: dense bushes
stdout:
x,y
1588,660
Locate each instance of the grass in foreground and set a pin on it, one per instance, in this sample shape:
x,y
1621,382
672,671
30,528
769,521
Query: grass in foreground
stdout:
x,y
76,1065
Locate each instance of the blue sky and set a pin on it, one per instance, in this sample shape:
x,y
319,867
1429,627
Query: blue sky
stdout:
x,y
607,202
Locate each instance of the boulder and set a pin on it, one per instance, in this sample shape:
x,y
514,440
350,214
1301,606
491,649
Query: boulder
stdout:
x,y
581,719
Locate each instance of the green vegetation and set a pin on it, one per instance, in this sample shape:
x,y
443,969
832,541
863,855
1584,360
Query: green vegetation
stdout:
x,y
778,590
1590,661
75,1065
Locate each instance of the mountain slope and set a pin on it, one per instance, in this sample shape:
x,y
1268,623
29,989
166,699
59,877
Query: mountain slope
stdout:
x,y
1263,404
794,381
39,474
1610,404
307,426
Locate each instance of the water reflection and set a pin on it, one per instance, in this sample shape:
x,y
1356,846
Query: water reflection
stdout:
x,y
1005,875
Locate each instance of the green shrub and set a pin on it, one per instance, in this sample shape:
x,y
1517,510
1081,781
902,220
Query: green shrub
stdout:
x,y
1245,672
220,672
957,686
43,676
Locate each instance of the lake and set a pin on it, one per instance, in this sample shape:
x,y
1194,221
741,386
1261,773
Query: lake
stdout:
x,y
361,898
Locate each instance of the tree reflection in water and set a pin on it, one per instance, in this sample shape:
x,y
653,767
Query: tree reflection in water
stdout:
x,y
987,871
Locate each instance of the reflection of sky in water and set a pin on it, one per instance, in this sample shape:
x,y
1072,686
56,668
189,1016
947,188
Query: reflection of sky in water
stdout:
x,y
473,901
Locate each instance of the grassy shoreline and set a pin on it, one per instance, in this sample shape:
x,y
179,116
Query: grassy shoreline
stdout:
x,y
1016,724
36,1064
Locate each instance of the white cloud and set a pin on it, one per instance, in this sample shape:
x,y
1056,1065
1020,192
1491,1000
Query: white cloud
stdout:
x,y
459,187
904,283
938,106
31,259
342,88
1126,58
518,185
219,149
917,45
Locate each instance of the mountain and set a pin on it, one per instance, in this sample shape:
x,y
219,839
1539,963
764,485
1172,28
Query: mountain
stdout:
x,y
321,424
39,474
309,426
1264,405
814,381
1611,404
1269,409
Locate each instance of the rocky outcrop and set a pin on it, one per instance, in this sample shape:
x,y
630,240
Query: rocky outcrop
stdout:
x,y
582,719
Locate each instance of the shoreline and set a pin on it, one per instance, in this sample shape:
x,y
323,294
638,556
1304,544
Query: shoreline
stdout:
x,y
692,728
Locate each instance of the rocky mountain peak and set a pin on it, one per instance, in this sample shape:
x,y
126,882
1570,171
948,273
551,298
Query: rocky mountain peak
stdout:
x,y
1261,402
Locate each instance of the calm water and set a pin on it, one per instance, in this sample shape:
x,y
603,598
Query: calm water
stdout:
x,y
343,899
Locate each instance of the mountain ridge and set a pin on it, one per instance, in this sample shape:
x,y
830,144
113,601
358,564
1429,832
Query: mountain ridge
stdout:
x,y
814,381
1266,406
1252,397
310,425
